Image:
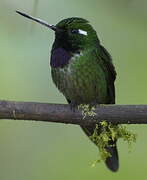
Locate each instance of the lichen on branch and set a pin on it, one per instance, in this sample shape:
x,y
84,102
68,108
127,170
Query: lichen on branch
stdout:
x,y
107,132
87,110
104,132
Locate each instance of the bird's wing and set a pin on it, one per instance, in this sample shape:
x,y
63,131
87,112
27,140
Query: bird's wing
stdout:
x,y
107,65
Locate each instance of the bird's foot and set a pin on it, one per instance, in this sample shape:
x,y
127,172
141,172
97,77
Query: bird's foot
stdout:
x,y
93,104
73,106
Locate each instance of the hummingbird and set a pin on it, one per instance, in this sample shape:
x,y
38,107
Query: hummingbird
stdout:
x,y
82,70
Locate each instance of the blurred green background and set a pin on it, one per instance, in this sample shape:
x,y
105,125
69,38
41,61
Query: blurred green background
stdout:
x,y
42,151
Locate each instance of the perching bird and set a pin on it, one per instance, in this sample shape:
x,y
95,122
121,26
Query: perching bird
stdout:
x,y
82,70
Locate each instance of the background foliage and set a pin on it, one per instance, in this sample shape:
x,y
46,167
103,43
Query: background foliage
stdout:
x,y
35,151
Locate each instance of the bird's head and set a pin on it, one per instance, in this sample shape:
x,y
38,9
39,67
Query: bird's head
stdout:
x,y
75,33
71,34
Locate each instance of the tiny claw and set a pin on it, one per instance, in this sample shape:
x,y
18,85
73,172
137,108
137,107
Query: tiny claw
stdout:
x,y
73,106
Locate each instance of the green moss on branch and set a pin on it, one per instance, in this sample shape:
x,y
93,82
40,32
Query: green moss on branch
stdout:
x,y
105,132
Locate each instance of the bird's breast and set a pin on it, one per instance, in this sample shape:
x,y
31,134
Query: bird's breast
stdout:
x,y
81,80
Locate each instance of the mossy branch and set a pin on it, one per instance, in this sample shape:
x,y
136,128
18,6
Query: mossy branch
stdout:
x,y
59,113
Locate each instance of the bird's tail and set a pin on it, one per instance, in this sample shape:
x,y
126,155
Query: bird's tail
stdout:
x,y
111,162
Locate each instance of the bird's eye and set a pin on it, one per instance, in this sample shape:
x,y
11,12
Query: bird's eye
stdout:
x,y
79,31
74,31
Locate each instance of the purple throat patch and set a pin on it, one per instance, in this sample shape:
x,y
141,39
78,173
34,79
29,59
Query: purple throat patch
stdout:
x,y
59,58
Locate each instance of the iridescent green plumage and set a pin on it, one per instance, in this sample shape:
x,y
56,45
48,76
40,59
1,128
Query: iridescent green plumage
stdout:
x,y
88,76
82,80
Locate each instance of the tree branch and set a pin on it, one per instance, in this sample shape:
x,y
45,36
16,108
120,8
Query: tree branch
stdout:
x,y
59,113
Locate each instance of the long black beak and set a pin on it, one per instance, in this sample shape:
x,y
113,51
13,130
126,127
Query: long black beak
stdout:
x,y
38,20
